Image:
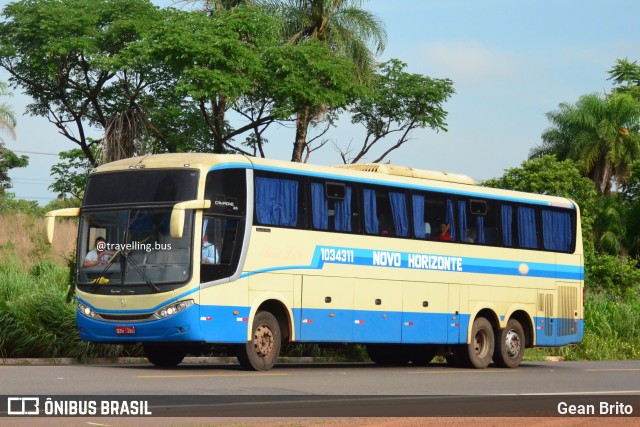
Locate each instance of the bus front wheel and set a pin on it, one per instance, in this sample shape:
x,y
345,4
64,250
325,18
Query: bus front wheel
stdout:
x,y
510,344
261,353
163,355
478,353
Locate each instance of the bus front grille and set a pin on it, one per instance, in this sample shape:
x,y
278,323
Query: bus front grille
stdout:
x,y
126,317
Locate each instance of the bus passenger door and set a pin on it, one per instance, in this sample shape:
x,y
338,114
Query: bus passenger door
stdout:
x,y
377,315
327,309
424,317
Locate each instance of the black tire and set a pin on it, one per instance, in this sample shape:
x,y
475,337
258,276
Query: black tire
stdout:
x,y
421,354
261,353
478,353
163,355
510,345
388,354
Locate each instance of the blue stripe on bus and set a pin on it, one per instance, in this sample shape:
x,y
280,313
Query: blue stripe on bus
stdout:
x,y
229,324
430,262
373,181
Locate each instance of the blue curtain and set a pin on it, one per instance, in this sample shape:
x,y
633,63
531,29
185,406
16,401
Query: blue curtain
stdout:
x,y
480,223
277,201
449,219
418,217
319,207
507,225
370,214
527,235
342,217
399,213
556,228
462,216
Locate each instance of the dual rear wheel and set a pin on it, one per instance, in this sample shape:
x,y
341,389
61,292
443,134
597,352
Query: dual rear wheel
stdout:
x,y
504,346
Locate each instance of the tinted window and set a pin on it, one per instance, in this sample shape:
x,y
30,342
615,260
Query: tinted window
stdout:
x,y
227,190
141,186
557,229
280,201
334,207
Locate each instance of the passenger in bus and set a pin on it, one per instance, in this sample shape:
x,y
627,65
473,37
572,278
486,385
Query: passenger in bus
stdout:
x,y
209,250
385,225
427,230
99,255
471,236
445,234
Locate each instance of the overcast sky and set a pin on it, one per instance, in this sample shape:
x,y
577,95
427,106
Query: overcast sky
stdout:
x,y
510,61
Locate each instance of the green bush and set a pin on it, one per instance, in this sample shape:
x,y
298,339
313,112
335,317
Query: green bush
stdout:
x,y
612,332
35,319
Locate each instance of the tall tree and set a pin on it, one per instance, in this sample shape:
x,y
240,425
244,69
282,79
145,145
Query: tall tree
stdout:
x,y
66,55
7,118
397,103
215,59
344,26
626,75
598,132
8,159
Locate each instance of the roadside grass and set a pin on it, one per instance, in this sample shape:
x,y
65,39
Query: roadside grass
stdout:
x,y
612,332
36,320
22,240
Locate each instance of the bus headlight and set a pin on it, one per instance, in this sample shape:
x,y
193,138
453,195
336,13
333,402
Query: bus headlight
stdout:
x,y
86,310
172,309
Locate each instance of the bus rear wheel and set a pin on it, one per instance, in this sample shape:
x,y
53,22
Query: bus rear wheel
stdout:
x,y
478,353
261,353
510,345
163,355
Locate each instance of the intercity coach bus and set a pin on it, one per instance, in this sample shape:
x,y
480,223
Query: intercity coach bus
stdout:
x,y
410,263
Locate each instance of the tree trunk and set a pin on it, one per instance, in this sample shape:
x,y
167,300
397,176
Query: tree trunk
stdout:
x,y
219,109
302,126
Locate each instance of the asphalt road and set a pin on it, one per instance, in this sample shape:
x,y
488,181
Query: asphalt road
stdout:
x,y
338,390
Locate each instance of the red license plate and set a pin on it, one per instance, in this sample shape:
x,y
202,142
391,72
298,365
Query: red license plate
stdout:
x,y
125,330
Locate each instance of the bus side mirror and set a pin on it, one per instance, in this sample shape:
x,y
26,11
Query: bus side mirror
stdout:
x,y
177,215
50,220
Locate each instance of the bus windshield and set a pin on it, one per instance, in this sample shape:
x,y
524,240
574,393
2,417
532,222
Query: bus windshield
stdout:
x,y
132,251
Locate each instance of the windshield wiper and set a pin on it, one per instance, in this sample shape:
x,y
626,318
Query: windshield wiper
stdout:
x,y
101,280
137,268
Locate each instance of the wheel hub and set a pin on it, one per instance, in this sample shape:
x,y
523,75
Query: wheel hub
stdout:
x,y
480,343
512,343
263,341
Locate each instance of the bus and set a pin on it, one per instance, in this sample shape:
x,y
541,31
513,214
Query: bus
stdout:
x,y
410,263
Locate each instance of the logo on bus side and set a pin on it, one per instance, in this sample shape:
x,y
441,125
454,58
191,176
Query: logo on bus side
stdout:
x,y
390,259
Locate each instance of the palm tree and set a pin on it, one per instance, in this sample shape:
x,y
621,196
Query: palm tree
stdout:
x,y
342,25
599,133
7,118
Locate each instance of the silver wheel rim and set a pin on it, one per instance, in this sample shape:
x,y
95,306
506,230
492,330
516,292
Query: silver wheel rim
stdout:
x,y
512,344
